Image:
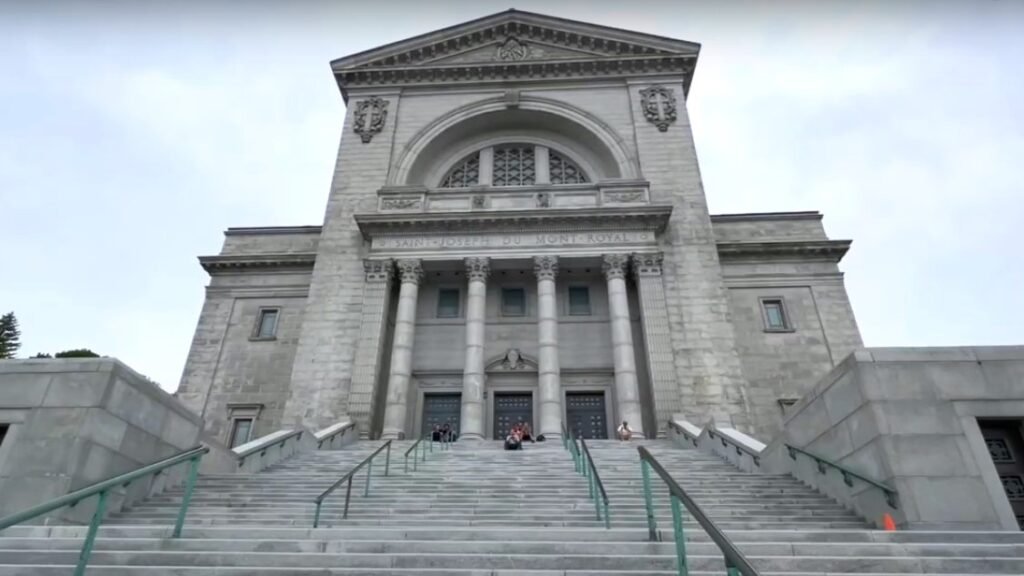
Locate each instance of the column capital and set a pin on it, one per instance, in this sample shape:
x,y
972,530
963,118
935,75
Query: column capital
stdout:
x,y
615,265
545,267
648,263
410,270
378,270
478,268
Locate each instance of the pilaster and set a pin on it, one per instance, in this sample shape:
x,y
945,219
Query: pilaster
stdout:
x,y
657,336
370,348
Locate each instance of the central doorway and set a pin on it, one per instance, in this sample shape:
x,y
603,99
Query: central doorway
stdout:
x,y
586,414
439,408
510,408
1006,448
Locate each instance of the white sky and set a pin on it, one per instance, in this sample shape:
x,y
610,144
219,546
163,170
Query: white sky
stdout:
x,y
133,133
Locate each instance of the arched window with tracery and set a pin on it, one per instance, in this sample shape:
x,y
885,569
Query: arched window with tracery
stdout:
x,y
515,164
562,170
464,174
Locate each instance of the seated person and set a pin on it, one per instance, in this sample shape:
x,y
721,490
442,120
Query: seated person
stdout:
x,y
447,433
513,441
527,432
436,434
624,431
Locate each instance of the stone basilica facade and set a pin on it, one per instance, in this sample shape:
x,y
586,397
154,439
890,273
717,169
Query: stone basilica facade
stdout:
x,y
517,229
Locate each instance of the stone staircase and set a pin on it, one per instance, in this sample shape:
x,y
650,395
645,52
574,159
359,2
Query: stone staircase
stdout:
x,y
479,510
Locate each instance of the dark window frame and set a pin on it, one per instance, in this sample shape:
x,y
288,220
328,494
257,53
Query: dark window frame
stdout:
x,y
234,430
261,314
4,429
568,299
780,303
458,302
504,311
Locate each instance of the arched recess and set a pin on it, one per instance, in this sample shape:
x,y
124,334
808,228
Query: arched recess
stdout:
x,y
542,120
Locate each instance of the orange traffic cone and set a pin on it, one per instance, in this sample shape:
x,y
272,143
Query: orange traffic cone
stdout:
x,y
888,524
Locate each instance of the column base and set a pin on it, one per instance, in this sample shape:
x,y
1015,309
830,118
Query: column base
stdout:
x,y
392,435
470,436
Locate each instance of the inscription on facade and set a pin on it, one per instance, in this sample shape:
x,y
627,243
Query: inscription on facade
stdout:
x,y
512,241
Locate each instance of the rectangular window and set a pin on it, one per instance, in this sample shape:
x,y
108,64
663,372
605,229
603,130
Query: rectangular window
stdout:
x,y
513,302
448,303
579,301
266,325
241,428
775,314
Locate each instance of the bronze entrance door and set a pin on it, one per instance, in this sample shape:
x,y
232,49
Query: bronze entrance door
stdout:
x,y
586,414
1006,447
440,409
510,408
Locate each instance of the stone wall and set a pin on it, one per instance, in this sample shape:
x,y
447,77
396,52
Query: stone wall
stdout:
x,y
908,417
74,422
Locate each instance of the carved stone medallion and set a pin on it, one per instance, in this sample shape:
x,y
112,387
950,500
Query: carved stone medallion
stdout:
x,y
512,49
659,104
370,116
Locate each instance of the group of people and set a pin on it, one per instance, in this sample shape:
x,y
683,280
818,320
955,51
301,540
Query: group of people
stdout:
x,y
444,433
520,432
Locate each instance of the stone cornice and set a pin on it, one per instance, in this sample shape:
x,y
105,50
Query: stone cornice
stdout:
x,y
650,217
761,216
832,250
271,230
566,49
296,261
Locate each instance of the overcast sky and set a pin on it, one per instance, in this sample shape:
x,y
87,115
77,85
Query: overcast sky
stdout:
x,y
132,134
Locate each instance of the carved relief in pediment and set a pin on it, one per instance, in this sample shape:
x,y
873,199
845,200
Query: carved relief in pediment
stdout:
x,y
512,361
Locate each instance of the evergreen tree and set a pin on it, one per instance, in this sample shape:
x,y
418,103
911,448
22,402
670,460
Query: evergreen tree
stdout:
x,y
77,353
10,336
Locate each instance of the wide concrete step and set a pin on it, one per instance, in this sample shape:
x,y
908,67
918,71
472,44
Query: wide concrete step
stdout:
x,y
512,561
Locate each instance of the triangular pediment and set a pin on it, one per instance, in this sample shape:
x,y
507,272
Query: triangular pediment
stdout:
x,y
513,36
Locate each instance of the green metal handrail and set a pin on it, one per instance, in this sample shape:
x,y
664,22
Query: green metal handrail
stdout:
x,y
368,461
330,438
280,442
418,447
593,479
103,488
848,475
735,562
584,465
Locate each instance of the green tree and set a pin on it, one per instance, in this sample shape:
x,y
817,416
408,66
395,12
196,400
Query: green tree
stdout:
x,y
42,355
10,336
77,353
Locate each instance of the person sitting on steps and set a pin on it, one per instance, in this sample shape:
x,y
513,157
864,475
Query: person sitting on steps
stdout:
x,y
435,436
624,431
514,440
525,432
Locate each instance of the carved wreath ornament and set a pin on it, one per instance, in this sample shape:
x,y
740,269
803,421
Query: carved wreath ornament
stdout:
x,y
370,116
659,104
513,49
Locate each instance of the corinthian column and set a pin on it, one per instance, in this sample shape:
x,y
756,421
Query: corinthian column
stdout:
x,y
396,408
472,424
548,373
627,391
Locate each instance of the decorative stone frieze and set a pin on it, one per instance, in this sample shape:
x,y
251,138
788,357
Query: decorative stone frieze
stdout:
x,y
378,270
512,49
370,116
401,204
648,264
615,265
410,270
478,268
546,267
624,197
659,104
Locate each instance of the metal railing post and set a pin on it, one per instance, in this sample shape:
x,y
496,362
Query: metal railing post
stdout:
x,y
680,537
316,517
369,474
590,489
387,461
186,499
348,497
596,497
652,525
90,536
607,516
